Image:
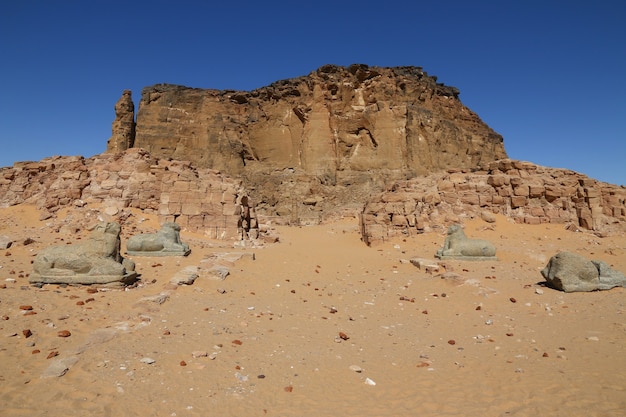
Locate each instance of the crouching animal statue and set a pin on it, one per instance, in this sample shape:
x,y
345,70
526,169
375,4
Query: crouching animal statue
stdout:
x,y
458,246
96,261
166,242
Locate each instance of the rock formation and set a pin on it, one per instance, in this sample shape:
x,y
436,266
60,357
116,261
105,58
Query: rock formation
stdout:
x,y
570,272
123,130
318,143
526,192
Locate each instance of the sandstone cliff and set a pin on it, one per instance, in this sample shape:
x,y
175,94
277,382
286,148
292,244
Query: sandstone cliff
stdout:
x,y
522,191
312,144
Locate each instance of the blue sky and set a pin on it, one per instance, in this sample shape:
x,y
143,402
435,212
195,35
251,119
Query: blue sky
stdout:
x,y
549,76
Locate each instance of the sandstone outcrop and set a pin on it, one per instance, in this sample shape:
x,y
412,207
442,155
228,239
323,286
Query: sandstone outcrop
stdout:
x,y
199,200
315,144
123,129
523,191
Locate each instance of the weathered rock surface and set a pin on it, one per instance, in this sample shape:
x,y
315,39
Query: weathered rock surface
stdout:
x,y
317,143
200,200
123,130
571,272
523,191
97,261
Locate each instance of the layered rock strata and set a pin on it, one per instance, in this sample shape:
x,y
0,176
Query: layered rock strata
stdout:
x,y
200,200
523,191
314,144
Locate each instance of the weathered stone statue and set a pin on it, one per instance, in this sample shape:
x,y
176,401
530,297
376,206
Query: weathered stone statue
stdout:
x,y
97,261
166,242
571,272
458,246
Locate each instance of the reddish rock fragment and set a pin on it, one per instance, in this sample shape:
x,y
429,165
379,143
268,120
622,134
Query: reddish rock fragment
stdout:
x,y
52,354
343,336
26,307
27,333
64,333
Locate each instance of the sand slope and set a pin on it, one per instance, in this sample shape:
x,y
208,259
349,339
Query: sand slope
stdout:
x,y
489,340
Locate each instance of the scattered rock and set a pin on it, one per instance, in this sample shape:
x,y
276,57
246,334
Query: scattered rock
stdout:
x,y
59,367
186,276
5,242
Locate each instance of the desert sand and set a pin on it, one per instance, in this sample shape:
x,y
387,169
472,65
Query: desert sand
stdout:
x,y
318,324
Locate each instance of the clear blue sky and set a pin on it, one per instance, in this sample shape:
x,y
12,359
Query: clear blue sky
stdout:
x,y
549,76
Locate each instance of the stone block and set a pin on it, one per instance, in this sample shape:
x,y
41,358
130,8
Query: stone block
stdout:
x,y
536,191
469,198
521,190
498,180
518,201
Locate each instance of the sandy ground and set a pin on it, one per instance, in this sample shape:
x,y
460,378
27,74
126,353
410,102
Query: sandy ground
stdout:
x,y
317,325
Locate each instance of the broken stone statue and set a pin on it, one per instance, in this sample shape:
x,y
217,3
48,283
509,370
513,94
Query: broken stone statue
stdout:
x,y
458,246
166,242
96,261
571,272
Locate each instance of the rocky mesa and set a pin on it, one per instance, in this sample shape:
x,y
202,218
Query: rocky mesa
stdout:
x,y
309,145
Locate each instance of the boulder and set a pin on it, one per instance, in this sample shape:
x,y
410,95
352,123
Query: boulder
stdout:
x,y
570,272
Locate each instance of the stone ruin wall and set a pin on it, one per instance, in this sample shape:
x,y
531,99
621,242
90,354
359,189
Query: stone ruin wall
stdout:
x,y
199,200
525,192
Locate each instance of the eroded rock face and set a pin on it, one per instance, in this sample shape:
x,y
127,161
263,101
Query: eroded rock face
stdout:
x,y
123,130
320,142
523,191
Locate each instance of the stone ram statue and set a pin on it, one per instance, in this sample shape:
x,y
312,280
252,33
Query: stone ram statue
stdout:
x,y
96,261
570,272
166,242
458,246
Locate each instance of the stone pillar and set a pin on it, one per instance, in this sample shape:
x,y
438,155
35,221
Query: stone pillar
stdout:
x,y
123,129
